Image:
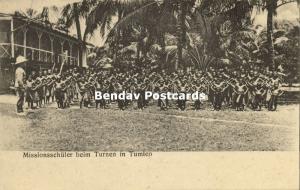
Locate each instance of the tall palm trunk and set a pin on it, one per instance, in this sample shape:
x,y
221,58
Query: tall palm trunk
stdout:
x,y
143,44
77,21
162,43
181,34
138,53
116,46
271,9
140,44
78,30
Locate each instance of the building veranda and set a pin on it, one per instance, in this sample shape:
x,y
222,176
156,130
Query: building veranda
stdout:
x,y
40,42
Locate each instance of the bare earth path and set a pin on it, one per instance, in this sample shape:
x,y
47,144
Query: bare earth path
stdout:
x,y
149,130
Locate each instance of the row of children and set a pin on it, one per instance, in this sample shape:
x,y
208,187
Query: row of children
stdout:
x,y
237,89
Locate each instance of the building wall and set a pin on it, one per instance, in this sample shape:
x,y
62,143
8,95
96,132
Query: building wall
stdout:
x,y
4,31
36,43
39,44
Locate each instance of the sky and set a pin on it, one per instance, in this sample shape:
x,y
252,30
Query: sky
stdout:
x,y
288,12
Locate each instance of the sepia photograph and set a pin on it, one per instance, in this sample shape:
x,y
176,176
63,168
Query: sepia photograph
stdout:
x,y
149,75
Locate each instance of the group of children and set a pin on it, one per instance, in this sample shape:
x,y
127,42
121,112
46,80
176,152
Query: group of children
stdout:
x,y
236,89
44,87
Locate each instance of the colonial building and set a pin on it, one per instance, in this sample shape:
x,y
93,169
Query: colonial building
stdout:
x,y
40,42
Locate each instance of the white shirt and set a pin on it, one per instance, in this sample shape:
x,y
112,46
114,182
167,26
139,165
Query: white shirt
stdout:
x,y
19,77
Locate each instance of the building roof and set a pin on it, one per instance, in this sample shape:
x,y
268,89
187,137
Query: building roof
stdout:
x,y
47,26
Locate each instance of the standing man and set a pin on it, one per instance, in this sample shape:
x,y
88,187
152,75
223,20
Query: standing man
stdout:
x,y
19,82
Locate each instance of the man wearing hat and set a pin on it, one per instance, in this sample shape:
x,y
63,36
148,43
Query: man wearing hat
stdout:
x,y
20,75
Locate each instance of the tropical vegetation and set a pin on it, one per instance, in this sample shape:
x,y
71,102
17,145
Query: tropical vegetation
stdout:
x,y
185,34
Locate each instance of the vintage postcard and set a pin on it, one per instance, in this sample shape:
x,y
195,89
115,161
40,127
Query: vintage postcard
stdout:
x,y
149,94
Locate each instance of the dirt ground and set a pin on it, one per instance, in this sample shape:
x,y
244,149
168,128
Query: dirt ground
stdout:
x,y
75,129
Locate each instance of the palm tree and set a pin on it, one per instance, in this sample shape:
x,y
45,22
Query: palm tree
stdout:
x,y
220,10
29,13
72,13
138,19
271,6
149,15
138,13
34,14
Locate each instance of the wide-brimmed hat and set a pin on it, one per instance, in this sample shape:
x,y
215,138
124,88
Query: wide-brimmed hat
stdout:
x,y
20,59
